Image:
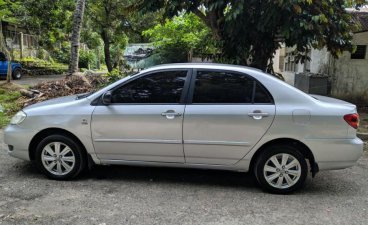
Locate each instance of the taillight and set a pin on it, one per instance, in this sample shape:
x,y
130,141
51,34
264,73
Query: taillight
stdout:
x,y
352,120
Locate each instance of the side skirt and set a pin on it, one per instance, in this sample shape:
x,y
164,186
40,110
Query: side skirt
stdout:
x,y
241,166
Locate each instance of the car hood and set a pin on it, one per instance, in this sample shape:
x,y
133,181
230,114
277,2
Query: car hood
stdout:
x,y
55,101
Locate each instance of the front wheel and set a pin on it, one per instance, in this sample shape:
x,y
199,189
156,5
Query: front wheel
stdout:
x,y
281,169
60,157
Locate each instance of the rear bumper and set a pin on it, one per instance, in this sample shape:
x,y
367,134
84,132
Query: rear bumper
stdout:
x,y
19,138
333,154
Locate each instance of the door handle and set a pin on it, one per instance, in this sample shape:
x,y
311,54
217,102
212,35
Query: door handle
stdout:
x,y
170,114
258,114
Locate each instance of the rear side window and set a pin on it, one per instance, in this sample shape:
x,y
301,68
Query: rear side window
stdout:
x,y
217,87
161,87
261,95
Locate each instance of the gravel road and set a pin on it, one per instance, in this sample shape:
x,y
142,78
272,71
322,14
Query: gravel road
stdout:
x,y
129,195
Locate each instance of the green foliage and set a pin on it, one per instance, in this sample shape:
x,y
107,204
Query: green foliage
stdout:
x,y
52,20
87,59
8,10
178,36
10,107
62,53
115,75
36,62
249,31
42,54
138,22
35,66
108,19
355,3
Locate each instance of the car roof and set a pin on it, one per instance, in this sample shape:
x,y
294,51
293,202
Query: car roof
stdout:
x,y
201,66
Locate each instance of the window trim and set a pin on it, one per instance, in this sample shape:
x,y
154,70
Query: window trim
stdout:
x,y
194,77
183,97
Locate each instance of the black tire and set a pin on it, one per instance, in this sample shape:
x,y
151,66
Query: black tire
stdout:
x,y
277,150
17,74
80,159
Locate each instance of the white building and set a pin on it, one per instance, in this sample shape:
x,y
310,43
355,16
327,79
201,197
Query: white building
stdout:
x,y
348,74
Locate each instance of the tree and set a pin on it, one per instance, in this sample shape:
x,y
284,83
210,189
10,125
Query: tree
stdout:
x,y
138,22
51,20
116,24
248,32
7,9
75,39
108,19
177,38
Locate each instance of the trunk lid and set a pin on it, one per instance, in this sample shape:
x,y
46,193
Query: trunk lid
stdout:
x,y
335,101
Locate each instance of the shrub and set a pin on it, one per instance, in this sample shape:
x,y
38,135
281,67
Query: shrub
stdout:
x,y
87,59
115,75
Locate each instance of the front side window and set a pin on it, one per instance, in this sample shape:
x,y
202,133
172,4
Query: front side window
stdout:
x,y
217,87
161,87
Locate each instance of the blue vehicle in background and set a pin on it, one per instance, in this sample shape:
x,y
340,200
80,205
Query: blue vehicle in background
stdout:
x,y
16,68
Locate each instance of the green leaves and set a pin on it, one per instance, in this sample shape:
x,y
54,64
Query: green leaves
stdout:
x,y
182,33
250,31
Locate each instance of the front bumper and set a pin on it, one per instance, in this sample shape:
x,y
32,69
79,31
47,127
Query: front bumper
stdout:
x,y
333,154
19,138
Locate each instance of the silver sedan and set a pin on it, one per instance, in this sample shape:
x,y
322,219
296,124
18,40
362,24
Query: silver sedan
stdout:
x,y
207,116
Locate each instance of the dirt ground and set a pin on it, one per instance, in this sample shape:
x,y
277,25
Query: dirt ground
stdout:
x,y
136,195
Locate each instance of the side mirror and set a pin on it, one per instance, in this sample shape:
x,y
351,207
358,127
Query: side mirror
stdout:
x,y
106,98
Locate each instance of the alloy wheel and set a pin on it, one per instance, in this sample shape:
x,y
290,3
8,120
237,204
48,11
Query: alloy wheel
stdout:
x,y
282,171
58,158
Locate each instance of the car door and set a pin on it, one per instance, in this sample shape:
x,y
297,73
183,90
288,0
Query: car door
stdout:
x,y
229,113
144,120
3,64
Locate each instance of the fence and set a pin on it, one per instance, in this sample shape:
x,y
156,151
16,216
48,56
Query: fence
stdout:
x,y
25,44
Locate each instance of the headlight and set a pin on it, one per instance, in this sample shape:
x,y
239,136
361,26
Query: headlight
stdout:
x,y
18,118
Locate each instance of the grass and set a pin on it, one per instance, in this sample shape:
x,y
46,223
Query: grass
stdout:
x,y
8,97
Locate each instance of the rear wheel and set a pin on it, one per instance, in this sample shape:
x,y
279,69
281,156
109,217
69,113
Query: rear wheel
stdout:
x,y
281,169
17,74
60,157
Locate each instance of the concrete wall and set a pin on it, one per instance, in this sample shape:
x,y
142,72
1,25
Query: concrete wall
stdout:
x,y
349,77
320,60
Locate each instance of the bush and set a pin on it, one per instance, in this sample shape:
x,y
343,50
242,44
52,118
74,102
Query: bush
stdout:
x,y
62,54
115,75
87,59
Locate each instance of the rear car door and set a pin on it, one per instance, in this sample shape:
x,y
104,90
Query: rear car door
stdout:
x,y
227,114
144,121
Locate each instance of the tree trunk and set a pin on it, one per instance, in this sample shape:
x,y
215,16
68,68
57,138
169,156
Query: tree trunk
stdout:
x,y
106,40
75,39
4,49
9,73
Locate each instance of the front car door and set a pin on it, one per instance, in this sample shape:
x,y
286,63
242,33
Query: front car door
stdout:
x,y
144,121
229,113
3,64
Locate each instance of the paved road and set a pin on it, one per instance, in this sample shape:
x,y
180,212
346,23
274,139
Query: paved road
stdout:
x,y
128,195
32,80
